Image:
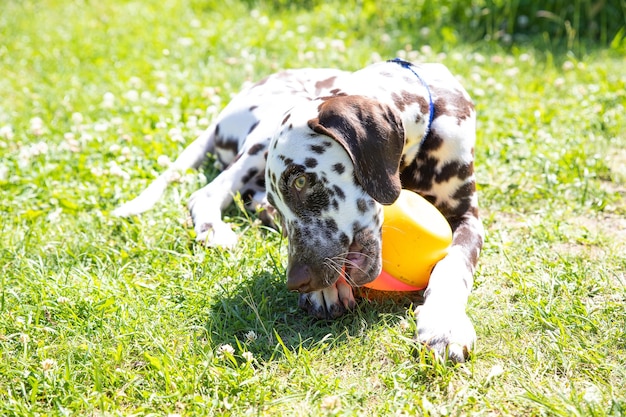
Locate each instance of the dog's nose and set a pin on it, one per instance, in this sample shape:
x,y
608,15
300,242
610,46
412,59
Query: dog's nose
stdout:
x,y
299,278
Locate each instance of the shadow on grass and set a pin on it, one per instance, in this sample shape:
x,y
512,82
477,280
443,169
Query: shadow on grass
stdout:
x,y
262,314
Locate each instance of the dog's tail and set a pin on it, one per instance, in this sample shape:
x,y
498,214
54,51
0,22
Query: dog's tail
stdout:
x,y
191,157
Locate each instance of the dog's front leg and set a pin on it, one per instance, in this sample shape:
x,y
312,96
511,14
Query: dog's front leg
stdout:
x,y
442,321
206,204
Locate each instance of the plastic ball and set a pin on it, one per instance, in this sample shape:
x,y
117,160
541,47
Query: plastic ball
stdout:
x,y
415,237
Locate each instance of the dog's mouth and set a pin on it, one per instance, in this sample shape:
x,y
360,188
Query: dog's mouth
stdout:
x,y
362,262
359,264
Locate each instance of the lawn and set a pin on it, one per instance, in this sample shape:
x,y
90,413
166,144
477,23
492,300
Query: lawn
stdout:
x,y
108,316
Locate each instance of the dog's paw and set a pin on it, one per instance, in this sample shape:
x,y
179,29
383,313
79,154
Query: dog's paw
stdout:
x,y
216,234
447,331
329,303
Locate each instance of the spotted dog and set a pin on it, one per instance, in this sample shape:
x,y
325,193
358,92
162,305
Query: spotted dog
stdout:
x,y
327,153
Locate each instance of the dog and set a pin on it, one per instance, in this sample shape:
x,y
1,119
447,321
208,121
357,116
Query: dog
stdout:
x,y
324,150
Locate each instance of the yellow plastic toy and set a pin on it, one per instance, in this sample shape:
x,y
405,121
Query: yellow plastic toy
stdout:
x,y
415,237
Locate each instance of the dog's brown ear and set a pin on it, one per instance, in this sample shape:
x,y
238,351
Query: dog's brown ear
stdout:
x,y
372,134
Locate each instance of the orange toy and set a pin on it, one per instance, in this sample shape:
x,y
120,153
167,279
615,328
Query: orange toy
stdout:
x,y
415,237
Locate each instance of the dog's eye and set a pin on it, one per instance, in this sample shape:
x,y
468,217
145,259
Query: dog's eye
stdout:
x,y
299,182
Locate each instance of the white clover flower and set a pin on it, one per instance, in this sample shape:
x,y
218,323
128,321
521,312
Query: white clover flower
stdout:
x,y
6,132
592,395
125,151
225,349
71,143
77,118
115,170
185,42
161,88
134,82
35,149
479,58
248,356
96,171
511,72
48,365
331,402
36,126
208,92
63,300
192,122
54,215
176,135
146,96
216,100
338,45
568,66
164,161
251,336
108,100
101,126
404,325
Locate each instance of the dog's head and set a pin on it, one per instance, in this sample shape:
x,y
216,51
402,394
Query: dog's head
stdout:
x,y
331,165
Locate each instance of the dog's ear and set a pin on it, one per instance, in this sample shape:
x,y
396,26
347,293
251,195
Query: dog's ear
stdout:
x,y
372,134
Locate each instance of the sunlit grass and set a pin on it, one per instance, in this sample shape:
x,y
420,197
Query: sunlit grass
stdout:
x,y
100,315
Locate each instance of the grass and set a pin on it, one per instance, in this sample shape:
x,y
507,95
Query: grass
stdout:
x,y
104,316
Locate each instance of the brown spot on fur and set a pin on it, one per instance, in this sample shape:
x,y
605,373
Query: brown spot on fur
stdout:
x,y
454,169
463,204
466,237
339,168
324,84
226,144
452,103
318,149
255,149
339,192
406,98
259,83
361,204
254,125
431,143
249,175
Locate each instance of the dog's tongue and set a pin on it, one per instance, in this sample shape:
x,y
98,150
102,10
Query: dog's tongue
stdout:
x,y
355,258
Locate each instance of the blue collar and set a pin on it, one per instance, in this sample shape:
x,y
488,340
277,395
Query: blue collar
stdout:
x,y
431,105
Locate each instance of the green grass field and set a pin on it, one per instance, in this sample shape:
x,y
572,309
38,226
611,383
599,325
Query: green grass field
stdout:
x,y
107,316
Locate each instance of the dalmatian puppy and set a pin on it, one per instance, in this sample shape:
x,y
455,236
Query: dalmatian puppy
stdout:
x,y
337,159
327,155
